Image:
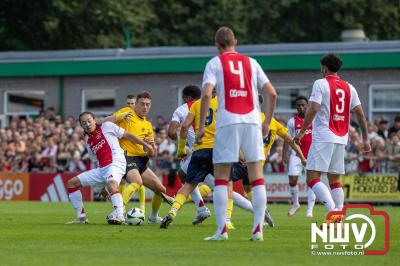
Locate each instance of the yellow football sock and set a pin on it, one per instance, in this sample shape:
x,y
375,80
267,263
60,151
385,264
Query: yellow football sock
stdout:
x,y
129,191
142,197
204,190
250,195
230,209
180,199
121,187
155,205
188,199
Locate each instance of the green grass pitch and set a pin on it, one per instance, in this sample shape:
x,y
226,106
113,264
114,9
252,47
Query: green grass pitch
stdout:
x,y
33,233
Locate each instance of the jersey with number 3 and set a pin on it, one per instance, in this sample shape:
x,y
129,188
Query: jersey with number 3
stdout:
x,y
236,78
337,98
209,129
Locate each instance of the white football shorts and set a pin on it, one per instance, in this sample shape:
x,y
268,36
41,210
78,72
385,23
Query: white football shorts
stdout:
x,y
326,157
295,166
229,140
114,171
185,164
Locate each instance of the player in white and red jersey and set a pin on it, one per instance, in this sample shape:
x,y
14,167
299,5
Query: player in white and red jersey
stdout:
x,y
190,94
102,144
236,78
296,165
332,99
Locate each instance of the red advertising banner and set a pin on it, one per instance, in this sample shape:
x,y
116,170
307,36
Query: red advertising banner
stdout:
x,y
14,186
53,187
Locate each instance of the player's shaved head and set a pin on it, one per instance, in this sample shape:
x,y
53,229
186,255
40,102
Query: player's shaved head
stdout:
x,y
225,37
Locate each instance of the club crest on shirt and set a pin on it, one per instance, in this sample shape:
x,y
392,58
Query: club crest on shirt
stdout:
x,y
98,136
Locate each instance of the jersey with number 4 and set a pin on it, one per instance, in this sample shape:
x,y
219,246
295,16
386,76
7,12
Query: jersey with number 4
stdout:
x,y
337,98
236,78
209,129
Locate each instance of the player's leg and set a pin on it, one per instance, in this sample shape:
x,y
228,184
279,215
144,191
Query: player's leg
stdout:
x,y
336,168
253,150
319,157
220,199
112,175
75,197
179,200
135,181
259,198
229,210
294,192
142,197
310,202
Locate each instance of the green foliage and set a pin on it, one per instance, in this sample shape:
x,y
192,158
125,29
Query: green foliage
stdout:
x,y
76,24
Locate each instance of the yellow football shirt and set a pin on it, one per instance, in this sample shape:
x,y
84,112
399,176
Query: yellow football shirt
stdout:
x,y
137,126
209,130
275,128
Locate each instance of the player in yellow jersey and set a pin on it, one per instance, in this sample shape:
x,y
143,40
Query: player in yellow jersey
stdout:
x,y
201,162
239,170
130,102
137,172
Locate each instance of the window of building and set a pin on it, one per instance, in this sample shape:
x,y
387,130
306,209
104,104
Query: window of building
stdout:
x,y
384,100
285,105
23,102
99,102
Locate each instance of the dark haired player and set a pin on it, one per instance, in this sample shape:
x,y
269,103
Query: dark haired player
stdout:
x,y
331,101
296,165
102,143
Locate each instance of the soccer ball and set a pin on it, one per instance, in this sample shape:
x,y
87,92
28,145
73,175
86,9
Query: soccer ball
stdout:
x,y
135,216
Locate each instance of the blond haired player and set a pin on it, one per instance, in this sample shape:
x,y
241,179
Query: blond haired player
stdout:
x,y
137,172
236,79
201,161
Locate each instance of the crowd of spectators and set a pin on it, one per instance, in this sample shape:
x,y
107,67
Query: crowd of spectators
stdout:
x,y
50,143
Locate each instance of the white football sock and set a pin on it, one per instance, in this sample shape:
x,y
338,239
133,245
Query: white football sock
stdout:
x,y
242,202
259,202
117,202
220,198
310,200
294,192
76,200
197,199
209,181
323,195
337,195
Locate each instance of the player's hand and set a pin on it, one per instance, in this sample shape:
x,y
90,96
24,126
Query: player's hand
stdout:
x,y
127,116
149,149
298,137
285,159
304,162
265,130
199,136
366,146
149,140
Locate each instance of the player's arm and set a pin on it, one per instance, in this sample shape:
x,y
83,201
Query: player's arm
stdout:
x,y
204,105
289,142
173,129
183,135
363,125
139,141
116,117
312,110
271,102
286,152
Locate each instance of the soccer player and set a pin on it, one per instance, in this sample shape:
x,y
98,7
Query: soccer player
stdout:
x,y
201,162
331,101
190,94
137,172
102,143
130,102
236,78
239,170
296,164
